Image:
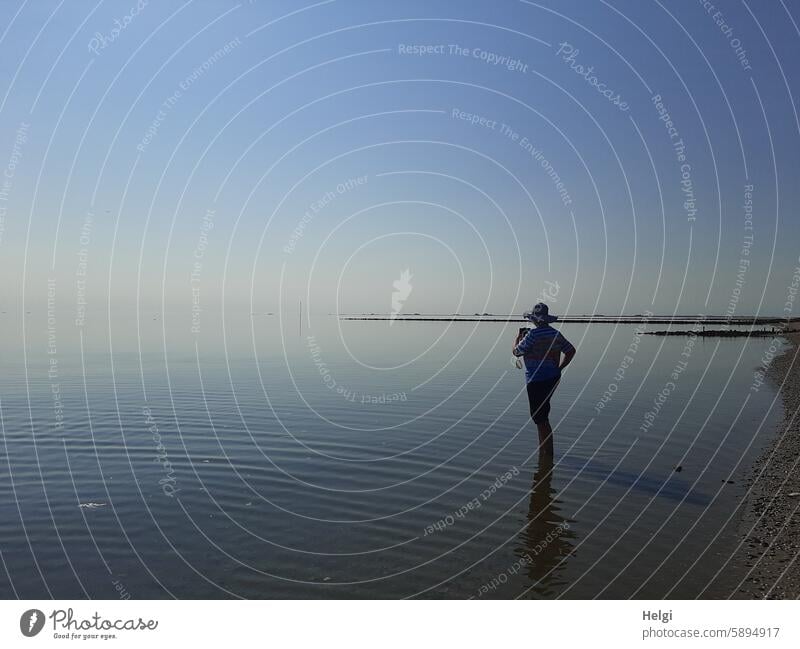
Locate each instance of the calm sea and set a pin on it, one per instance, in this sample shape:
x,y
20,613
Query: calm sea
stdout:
x,y
367,459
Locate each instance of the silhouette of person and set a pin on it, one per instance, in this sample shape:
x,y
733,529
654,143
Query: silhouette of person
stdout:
x,y
541,348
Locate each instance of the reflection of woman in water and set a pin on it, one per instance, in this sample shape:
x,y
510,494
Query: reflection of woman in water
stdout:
x,y
545,541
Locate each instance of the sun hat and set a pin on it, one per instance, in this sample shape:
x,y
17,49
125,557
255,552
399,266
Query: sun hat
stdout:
x,y
539,314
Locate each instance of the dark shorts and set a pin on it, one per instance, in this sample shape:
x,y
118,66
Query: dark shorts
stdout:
x,y
539,393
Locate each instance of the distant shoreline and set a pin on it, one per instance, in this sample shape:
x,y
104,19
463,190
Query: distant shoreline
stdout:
x,y
727,333
594,319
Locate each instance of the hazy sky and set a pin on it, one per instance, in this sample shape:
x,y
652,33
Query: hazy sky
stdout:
x,y
287,150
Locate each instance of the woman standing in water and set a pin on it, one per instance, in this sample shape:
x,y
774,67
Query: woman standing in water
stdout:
x,y
541,348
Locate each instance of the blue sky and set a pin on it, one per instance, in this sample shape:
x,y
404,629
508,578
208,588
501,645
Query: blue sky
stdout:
x,y
244,116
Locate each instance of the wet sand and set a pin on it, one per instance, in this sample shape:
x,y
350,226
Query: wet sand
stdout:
x,y
767,562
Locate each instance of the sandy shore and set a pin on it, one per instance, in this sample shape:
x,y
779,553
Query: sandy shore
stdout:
x,y
768,559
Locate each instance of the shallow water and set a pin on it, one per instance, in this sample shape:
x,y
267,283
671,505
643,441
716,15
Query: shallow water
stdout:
x,y
366,459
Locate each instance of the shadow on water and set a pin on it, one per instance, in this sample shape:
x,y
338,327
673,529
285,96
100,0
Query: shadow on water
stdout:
x,y
546,539
670,487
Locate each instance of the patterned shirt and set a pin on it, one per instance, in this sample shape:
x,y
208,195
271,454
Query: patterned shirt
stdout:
x,y
541,348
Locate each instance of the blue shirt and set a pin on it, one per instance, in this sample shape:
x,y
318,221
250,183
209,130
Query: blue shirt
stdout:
x,y
541,349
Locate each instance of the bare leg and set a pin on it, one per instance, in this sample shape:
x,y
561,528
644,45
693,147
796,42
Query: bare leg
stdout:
x,y
545,439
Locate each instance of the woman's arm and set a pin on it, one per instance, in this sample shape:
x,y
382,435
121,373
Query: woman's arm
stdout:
x,y
568,356
520,336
